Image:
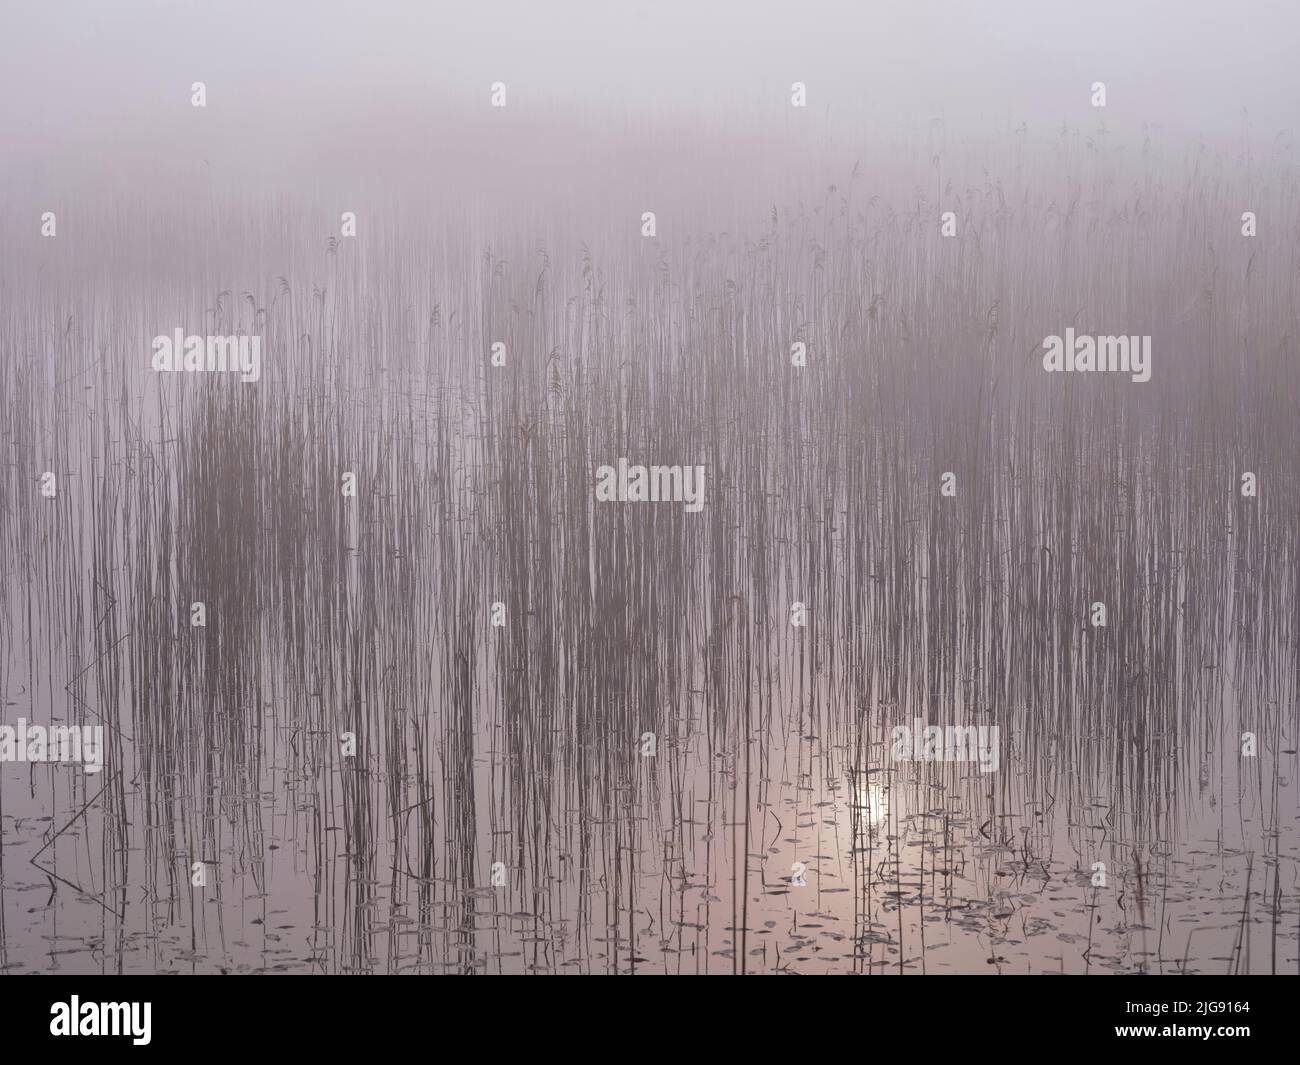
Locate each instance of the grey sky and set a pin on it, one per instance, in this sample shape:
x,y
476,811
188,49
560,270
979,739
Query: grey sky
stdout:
x,y
315,90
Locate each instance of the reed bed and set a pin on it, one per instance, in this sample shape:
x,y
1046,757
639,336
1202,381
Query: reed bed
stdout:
x,y
521,744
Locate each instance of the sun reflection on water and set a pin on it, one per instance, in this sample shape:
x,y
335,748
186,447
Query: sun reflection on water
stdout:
x,y
871,799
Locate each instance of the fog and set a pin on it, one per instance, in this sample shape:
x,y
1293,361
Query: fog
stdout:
x,y
375,95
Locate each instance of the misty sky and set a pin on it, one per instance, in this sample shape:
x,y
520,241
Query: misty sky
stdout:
x,y
71,64
307,91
